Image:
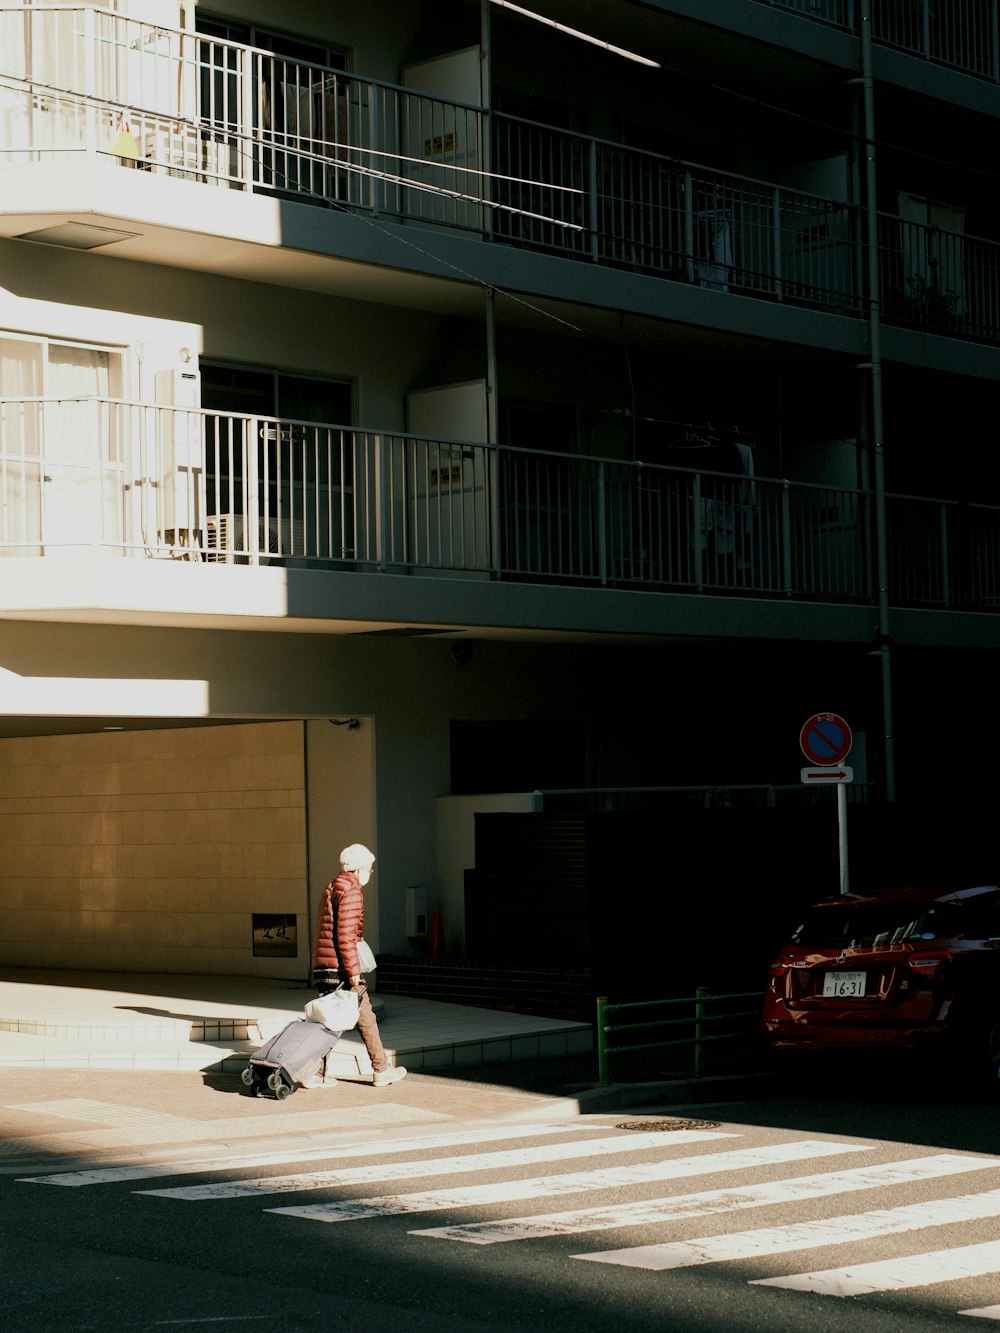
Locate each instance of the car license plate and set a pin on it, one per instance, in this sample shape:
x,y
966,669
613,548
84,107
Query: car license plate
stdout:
x,y
844,985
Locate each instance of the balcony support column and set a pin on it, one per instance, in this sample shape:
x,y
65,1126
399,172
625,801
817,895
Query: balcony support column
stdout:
x,y
485,121
492,453
247,141
875,373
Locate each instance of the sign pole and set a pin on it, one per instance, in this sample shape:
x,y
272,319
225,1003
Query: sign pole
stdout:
x,y
842,835
826,740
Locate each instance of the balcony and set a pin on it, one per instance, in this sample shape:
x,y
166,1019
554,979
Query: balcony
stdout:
x,y
960,34
139,481
82,83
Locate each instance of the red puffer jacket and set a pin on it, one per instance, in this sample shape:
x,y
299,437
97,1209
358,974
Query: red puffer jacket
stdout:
x,y
340,921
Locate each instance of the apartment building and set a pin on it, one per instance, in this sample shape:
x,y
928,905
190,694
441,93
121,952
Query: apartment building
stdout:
x,y
409,407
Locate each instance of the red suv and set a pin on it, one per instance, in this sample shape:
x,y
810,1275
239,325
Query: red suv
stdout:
x,y
892,970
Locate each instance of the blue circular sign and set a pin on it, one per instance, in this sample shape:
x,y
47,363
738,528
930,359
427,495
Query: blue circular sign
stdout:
x,y
826,739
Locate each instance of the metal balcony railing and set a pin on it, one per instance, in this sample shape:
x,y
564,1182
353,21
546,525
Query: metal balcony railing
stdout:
x,y
962,34
134,479
77,79
643,211
943,554
939,280
838,12
138,479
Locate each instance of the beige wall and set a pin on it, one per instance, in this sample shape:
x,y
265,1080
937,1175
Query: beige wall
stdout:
x,y
341,805
151,850
412,689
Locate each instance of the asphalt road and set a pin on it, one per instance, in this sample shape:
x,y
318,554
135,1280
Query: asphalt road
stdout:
x,y
426,1228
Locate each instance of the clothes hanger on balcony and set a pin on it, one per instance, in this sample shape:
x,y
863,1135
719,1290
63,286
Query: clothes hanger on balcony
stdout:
x,y
693,438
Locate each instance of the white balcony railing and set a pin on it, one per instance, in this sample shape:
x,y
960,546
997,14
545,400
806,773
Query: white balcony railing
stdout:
x,y
82,80
135,480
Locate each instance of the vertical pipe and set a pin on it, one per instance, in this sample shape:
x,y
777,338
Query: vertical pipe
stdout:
x,y
485,119
380,490
592,203
878,444
842,836
602,525
701,995
786,539
776,240
603,1073
493,453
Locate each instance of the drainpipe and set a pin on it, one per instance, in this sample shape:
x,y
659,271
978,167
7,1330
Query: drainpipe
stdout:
x,y
491,367
485,122
485,97
492,434
875,371
492,398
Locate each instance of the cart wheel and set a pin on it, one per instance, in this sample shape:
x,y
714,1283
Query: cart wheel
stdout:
x,y
281,1091
246,1076
275,1081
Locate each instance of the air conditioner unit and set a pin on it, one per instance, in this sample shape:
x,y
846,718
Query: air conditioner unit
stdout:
x,y
226,539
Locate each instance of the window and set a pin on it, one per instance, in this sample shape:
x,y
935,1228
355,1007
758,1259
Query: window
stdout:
x,y
300,112
876,925
60,444
267,39
287,440
273,393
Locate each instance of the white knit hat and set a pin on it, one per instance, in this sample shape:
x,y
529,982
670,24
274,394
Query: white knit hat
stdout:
x,y
356,857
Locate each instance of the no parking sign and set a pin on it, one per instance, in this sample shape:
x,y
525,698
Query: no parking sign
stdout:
x,y
825,739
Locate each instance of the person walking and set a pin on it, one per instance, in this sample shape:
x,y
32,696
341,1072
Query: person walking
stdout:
x,y
340,920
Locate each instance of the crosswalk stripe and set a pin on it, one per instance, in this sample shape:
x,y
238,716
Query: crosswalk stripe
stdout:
x,y
803,1235
678,1207
986,1312
916,1270
677,1168
106,1175
618,1145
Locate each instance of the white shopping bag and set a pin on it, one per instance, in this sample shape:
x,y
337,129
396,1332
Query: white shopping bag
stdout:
x,y
337,1011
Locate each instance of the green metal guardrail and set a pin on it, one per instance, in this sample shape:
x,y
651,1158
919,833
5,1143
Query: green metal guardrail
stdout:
x,y
701,1001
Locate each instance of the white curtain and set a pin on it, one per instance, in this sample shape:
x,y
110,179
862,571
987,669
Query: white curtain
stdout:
x,y
20,378
74,373
78,371
20,436
73,428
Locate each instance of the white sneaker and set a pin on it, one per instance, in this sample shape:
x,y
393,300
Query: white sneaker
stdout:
x,y
384,1077
318,1081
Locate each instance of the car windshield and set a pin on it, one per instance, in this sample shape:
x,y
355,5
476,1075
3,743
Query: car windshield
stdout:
x,y
875,925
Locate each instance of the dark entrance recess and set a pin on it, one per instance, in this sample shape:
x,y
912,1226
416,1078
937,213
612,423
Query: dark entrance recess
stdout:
x,y
655,905
535,755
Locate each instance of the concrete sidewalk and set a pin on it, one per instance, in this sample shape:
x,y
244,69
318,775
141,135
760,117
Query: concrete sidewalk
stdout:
x,y
101,1067
67,1020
